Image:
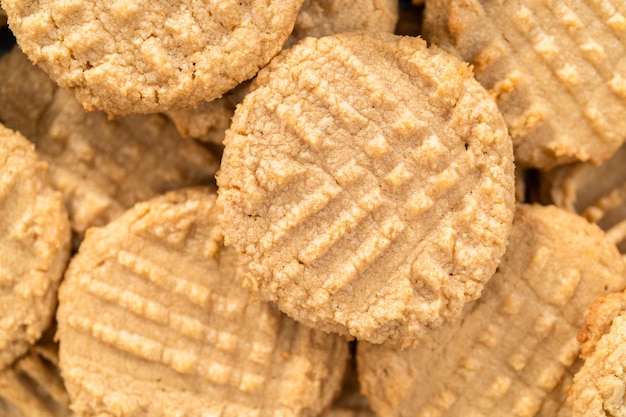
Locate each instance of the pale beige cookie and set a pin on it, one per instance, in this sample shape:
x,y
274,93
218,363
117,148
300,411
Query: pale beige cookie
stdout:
x,y
34,245
101,166
142,57
152,304
319,18
32,386
368,183
596,192
511,351
208,122
599,386
557,70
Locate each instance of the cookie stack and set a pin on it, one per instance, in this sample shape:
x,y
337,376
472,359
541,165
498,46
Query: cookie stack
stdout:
x,y
285,209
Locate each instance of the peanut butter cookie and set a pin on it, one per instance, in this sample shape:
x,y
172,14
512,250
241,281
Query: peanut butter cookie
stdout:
x,y
368,183
557,70
153,321
514,346
34,245
142,57
599,386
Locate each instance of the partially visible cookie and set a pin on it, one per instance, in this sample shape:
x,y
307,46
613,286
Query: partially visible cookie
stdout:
x,y
143,57
557,70
32,386
209,120
368,183
34,245
599,386
512,351
101,166
596,192
319,18
153,321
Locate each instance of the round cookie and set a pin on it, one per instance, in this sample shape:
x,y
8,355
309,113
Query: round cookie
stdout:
x,y
319,18
598,388
152,304
368,183
101,166
557,70
143,57
34,245
514,349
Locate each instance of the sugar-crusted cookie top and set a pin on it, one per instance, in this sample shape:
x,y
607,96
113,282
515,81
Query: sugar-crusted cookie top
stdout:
x,y
147,56
368,183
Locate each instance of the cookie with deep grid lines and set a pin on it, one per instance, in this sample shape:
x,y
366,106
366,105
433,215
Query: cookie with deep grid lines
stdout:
x,y
515,345
152,304
557,70
101,166
34,245
598,388
596,192
368,183
32,386
142,57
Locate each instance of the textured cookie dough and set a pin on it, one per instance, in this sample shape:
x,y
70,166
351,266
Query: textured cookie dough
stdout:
x,y
596,192
153,321
557,70
32,386
368,183
319,18
512,348
101,166
599,386
34,245
142,57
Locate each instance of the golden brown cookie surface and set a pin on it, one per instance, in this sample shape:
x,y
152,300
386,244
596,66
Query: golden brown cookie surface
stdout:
x,y
142,57
34,245
556,69
598,388
101,166
513,347
368,183
152,304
